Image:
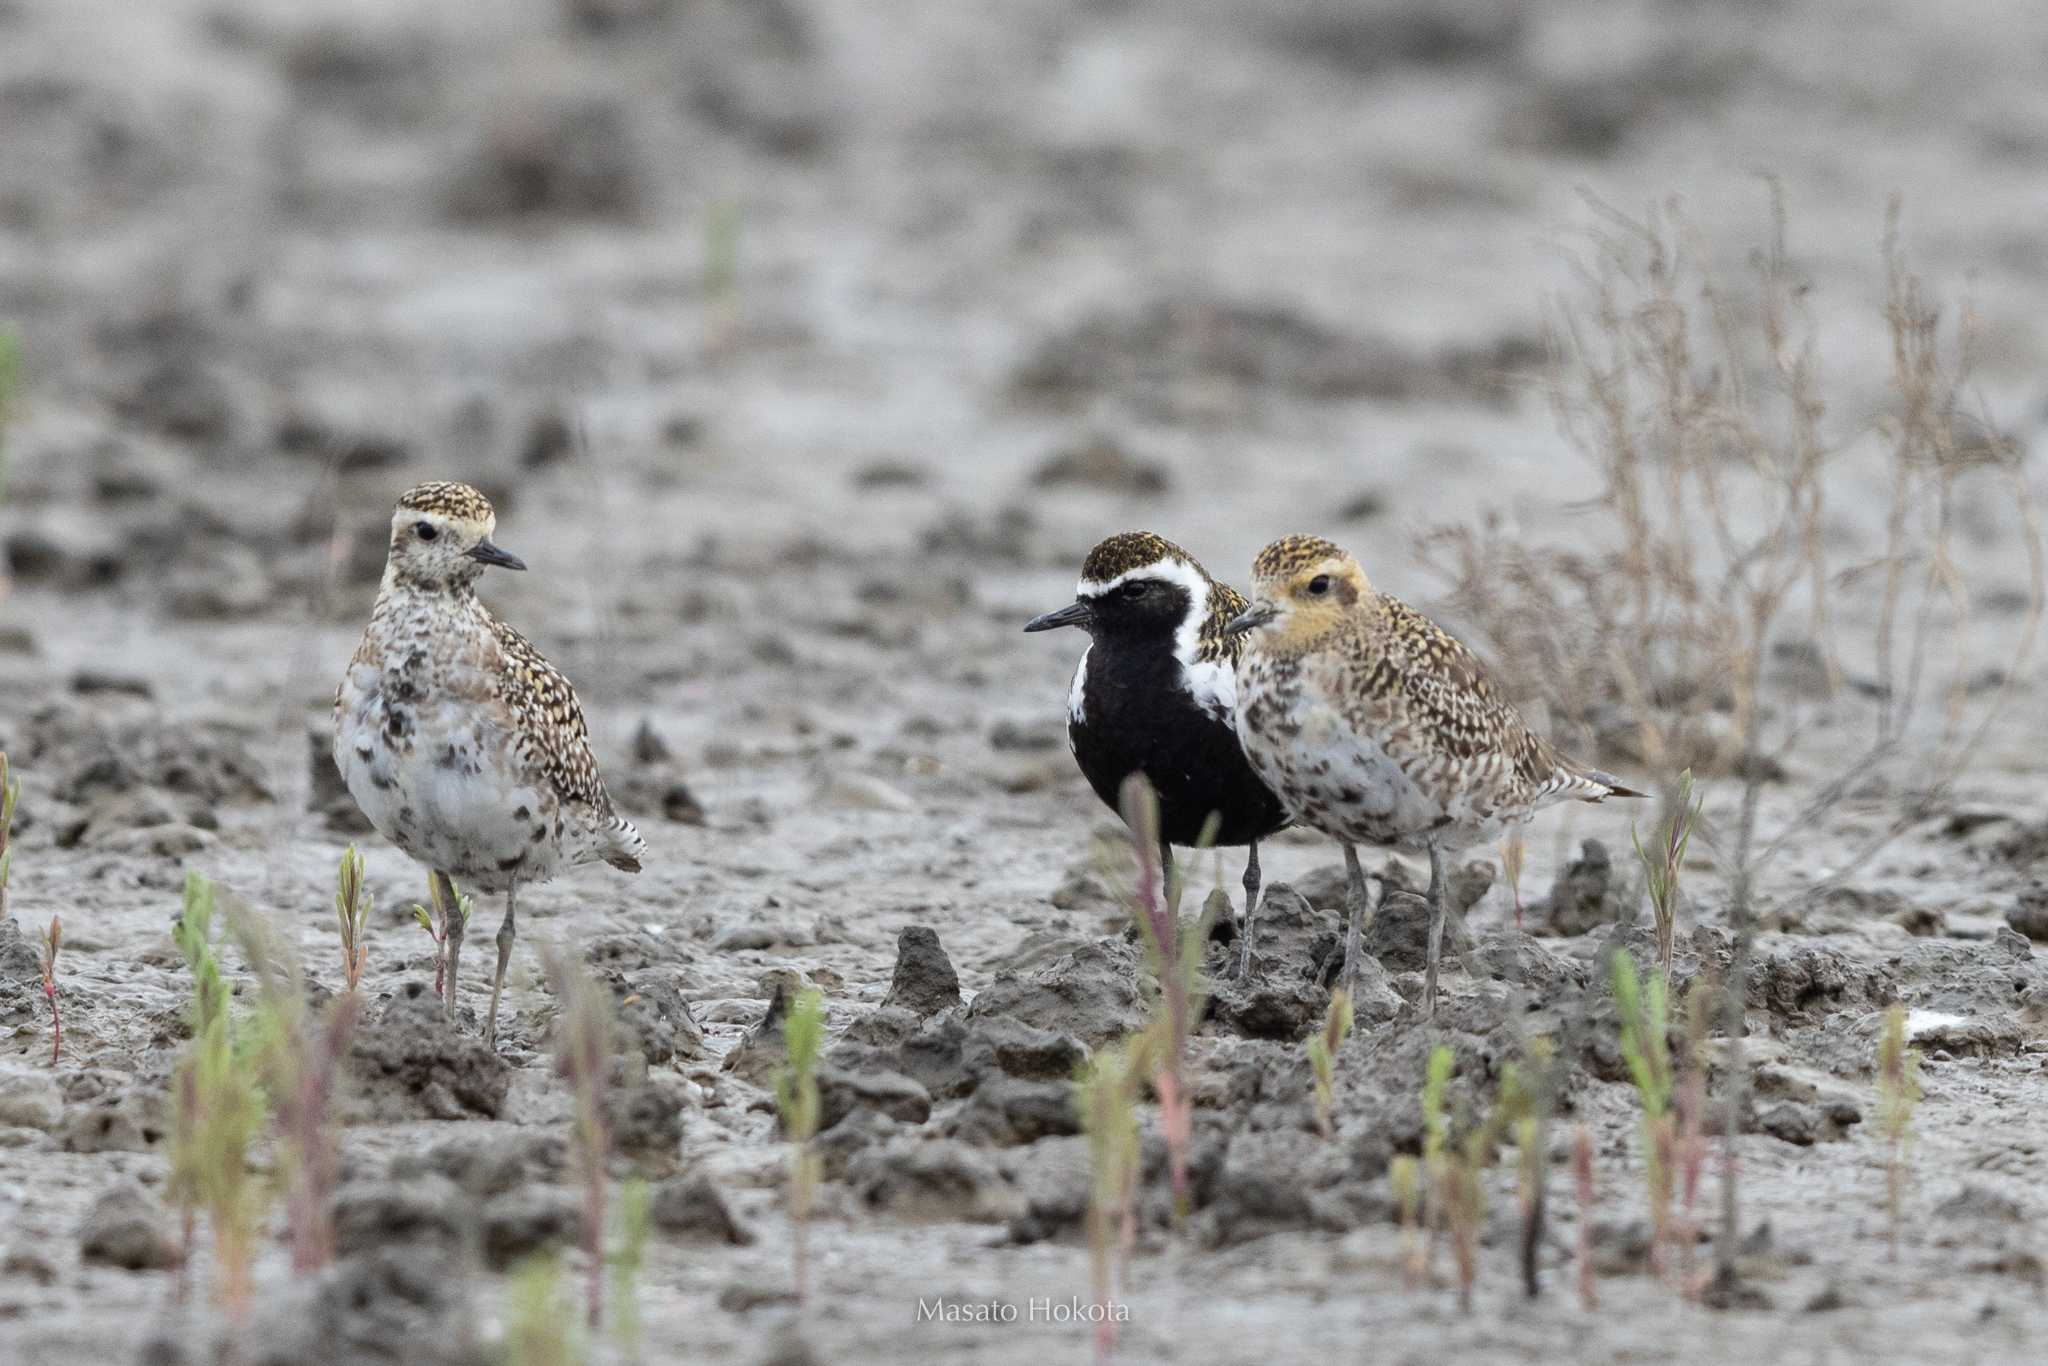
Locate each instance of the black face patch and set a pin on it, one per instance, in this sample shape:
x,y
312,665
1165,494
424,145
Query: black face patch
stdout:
x,y
1140,609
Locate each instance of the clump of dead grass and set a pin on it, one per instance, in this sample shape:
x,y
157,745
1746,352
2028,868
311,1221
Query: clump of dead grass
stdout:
x,y
1727,587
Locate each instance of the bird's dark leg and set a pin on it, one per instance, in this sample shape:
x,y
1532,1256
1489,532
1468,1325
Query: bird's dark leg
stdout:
x,y
1251,911
1354,898
506,934
451,937
1436,929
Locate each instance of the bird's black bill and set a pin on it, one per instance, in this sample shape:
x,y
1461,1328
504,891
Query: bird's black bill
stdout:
x,y
1073,614
483,552
1249,619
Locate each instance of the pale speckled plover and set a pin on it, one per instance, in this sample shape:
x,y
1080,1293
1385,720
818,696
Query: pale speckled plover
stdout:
x,y
1156,693
1376,727
461,744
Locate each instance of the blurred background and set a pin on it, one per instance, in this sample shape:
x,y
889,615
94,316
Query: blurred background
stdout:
x,y
806,346
776,279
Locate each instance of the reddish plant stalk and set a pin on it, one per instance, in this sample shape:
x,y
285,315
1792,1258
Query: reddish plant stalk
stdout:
x,y
305,1120
53,940
581,1059
1582,1177
1142,814
1691,1161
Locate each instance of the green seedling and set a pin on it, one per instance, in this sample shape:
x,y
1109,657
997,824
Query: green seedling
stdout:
x,y
538,1330
1532,1155
1663,865
636,1226
1453,1172
1174,955
1405,1174
1689,1139
1106,1096
1322,1056
1645,1047
1514,852
1436,1133
1525,1115
583,1053
352,912
435,923
10,793
1465,1207
1582,1180
1898,1092
53,939
299,1059
217,1115
796,1098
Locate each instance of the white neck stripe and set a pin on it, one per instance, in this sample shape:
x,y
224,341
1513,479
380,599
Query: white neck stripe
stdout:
x,y
1187,636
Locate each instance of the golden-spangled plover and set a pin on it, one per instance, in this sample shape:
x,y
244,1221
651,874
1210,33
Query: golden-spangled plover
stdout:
x,y
1156,693
461,744
1376,727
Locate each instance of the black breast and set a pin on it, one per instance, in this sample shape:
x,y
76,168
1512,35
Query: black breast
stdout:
x,y
1136,717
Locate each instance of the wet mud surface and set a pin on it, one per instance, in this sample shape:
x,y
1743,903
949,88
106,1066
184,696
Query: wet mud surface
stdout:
x,y
805,348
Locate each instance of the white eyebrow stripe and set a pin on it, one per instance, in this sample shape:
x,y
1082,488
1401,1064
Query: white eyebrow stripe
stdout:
x,y
1187,637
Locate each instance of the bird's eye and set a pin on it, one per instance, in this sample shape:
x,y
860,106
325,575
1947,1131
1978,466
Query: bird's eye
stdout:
x,y
425,530
1319,585
1135,589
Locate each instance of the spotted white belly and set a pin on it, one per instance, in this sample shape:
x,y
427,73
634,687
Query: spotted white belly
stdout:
x,y
435,778
1335,779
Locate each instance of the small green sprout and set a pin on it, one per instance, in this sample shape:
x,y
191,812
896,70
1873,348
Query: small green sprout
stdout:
x,y
1452,1173
1898,1092
636,1226
299,1060
1664,863
1322,1056
1105,1096
352,912
1405,1174
1174,954
583,1053
796,1097
538,1330
1436,1132
1645,1046
1465,1208
1436,1123
217,1114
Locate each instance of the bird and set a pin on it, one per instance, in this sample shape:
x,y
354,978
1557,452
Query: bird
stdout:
x,y
1376,726
460,742
1155,693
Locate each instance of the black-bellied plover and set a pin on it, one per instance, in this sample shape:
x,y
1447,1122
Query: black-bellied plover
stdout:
x,y
1376,727
461,744
1156,693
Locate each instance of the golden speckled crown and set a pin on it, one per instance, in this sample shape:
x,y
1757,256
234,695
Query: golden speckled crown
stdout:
x,y
1291,554
1129,550
448,498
